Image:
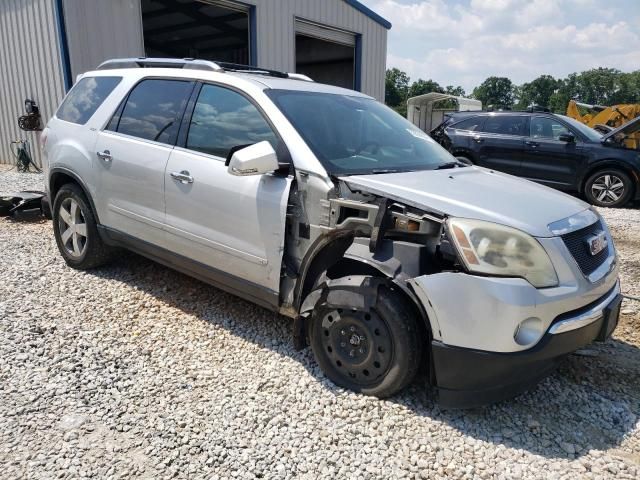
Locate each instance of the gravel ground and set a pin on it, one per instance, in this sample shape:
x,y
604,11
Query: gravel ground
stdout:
x,y
136,371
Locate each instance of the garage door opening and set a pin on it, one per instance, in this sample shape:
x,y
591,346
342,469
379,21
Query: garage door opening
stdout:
x,y
196,29
326,55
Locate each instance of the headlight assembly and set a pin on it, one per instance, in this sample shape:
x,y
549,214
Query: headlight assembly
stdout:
x,y
495,249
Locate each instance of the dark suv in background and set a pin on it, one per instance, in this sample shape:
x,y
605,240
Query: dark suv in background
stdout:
x,y
551,149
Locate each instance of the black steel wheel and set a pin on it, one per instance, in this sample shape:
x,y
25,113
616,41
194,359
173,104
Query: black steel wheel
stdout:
x,y
365,336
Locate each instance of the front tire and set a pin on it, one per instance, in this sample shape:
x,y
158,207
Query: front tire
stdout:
x,y
364,335
75,229
610,187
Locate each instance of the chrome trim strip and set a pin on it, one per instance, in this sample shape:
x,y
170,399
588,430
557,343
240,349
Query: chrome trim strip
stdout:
x,y
594,314
573,223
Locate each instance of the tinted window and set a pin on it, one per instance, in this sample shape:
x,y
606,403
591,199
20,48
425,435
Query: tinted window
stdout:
x,y
504,124
542,127
85,97
471,124
153,109
223,119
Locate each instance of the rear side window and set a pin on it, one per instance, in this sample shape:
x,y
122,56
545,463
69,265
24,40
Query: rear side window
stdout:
x,y
223,119
505,125
153,110
542,127
85,97
471,124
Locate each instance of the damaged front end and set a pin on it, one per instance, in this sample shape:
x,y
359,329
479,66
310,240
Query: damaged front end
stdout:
x,y
354,232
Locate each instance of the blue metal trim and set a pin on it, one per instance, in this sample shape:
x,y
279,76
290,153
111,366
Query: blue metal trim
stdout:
x,y
64,46
357,81
369,13
253,36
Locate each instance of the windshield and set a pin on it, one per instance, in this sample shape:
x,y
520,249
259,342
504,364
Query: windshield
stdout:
x,y
354,135
588,132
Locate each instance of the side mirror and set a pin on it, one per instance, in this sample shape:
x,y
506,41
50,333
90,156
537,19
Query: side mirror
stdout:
x,y
567,137
256,159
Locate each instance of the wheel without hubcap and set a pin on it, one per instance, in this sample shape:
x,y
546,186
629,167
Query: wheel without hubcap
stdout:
x,y
358,343
365,336
73,228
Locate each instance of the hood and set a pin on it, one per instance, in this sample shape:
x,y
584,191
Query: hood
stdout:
x,y
626,129
477,193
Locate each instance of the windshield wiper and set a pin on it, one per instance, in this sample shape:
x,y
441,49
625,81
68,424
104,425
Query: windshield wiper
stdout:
x,y
384,170
448,165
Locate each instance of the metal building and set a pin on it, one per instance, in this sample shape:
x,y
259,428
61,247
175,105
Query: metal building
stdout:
x,y
44,44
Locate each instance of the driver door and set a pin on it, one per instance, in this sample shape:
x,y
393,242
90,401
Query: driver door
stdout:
x,y
233,226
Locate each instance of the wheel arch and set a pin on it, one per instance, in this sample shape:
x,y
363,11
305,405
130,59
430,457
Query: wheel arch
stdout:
x,y
59,176
331,253
609,163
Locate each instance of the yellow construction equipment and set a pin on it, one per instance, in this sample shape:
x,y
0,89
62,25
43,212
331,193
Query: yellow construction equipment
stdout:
x,y
605,119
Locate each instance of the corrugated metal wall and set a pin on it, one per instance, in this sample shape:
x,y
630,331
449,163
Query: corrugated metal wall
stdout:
x,y
30,67
30,54
98,30
276,35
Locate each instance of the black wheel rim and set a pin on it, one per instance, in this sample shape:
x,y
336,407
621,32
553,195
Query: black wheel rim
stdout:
x,y
358,345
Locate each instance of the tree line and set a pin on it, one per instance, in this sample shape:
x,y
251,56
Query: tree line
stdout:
x,y
598,86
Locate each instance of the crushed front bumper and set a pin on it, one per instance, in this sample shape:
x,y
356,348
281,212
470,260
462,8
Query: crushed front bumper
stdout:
x,y
468,378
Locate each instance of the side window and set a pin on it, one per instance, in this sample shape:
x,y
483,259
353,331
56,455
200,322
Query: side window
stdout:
x,y
542,127
471,124
505,124
223,119
85,97
153,110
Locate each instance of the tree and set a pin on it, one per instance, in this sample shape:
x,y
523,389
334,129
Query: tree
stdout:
x,y
496,91
396,89
538,91
457,91
420,87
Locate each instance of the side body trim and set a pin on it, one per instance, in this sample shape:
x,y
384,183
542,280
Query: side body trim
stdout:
x,y
223,280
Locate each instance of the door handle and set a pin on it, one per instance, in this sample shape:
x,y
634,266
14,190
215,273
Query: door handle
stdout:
x,y
105,156
532,144
183,177
478,139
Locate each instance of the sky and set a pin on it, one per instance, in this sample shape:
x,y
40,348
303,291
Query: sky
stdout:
x,y
462,42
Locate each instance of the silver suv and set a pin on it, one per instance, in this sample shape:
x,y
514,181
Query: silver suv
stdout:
x,y
324,205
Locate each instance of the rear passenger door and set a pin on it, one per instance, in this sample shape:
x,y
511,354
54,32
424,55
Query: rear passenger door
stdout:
x,y
500,145
132,154
232,225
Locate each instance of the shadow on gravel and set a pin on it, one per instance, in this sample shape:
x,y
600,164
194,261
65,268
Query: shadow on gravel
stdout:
x,y
591,402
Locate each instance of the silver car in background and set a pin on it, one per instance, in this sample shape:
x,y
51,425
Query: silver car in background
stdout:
x,y
326,206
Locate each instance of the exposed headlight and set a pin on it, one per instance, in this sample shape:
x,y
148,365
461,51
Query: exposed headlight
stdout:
x,y
495,249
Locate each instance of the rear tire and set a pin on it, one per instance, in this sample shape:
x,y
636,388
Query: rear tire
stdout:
x,y
75,229
364,335
609,187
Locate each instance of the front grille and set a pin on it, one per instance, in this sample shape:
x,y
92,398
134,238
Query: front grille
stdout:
x,y
577,244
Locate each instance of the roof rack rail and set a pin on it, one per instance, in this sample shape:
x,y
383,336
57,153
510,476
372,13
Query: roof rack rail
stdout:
x,y
195,64
144,62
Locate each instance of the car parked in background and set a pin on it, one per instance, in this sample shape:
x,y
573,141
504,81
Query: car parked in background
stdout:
x,y
551,149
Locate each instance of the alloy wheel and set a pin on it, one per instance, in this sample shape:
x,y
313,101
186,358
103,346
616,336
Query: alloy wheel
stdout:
x,y
72,228
607,188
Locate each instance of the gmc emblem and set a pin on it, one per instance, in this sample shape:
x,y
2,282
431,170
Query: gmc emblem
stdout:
x,y
597,243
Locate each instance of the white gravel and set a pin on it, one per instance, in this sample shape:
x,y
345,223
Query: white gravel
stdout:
x,y
136,371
